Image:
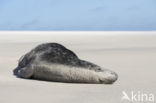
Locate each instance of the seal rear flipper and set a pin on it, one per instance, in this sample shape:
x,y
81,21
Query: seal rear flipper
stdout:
x,y
25,72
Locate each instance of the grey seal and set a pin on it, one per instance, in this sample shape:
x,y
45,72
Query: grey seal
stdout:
x,y
54,62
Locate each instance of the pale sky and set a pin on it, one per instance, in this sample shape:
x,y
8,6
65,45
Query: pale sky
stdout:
x,y
83,15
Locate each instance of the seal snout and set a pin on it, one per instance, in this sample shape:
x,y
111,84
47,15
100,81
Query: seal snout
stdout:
x,y
113,77
108,77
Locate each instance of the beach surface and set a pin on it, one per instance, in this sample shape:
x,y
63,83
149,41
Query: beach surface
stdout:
x,y
132,55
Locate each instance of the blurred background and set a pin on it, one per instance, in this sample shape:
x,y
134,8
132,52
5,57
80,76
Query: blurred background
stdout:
x,y
78,15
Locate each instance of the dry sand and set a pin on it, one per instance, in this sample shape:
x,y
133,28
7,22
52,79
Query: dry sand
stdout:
x,y
131,54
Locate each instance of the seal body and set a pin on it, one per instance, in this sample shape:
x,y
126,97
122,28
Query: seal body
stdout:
x,y
54,62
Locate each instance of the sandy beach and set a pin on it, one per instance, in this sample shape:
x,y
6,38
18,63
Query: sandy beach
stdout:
x,y
131,54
